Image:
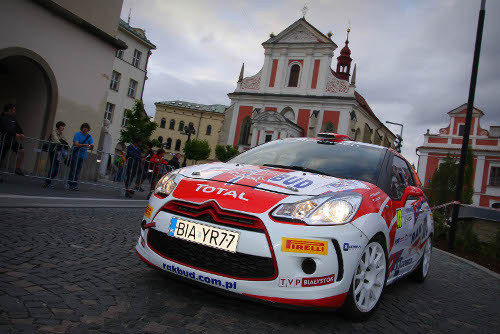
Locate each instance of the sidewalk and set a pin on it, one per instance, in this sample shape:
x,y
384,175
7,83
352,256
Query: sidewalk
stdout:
x,y
26,186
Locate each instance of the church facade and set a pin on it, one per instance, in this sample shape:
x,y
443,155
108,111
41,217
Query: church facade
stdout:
x,y
298,94
485,146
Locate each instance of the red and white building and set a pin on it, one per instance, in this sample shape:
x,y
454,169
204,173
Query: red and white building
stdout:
x,y
486,148
298,94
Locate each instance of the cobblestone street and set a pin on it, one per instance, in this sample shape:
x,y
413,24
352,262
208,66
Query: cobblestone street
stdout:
x,y
76,271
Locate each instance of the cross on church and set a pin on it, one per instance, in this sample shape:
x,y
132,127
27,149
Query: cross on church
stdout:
x,y
304,11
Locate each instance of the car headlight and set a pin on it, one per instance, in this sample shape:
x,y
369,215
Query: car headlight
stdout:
x,y
321,210
166,185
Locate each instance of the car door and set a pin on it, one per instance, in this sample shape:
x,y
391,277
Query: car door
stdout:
x,y
400,259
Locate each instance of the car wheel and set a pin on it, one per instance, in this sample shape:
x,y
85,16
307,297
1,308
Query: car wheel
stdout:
x,y
368,282
422,270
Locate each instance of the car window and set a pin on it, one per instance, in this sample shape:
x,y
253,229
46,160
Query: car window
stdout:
x,y
349,160
400,177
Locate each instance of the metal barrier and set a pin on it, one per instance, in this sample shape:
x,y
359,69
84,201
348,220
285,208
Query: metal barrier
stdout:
x,y
55,162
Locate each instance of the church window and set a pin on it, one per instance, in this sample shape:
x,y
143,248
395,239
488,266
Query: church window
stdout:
x,y
177,144
168,144
181,126
294,76
172,124
245,131
494,177
191,126
163,123
209,130
461,129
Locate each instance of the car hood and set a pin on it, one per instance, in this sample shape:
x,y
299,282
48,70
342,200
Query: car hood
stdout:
x,y
278,180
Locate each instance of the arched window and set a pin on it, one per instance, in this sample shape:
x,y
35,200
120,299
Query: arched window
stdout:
x,y
294,76
181,126
177,144
172,124
245,131
160,139
163,123
191,125
209,130
168,144
328,127
288,113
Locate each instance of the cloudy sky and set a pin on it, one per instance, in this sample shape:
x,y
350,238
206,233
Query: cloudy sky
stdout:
x,y
414,58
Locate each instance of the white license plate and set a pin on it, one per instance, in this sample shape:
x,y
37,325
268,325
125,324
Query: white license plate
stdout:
x,y
203,234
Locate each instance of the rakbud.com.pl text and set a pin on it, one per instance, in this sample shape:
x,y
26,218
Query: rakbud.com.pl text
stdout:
x,y
214,281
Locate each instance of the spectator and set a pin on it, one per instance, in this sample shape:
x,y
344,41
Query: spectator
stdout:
x,y
58,150
12,135
119,163
145,167
134,156
81,142
174,162
157,163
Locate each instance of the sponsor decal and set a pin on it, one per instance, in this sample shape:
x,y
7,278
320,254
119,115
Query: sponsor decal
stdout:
x,y
401,263
229,285
148,211
306,246
347,246
306,282
401,239
221,191
292,181
343,185
399,218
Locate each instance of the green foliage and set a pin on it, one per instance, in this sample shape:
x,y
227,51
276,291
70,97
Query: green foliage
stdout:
x,y
156,143
197,149
441,226
467,239
225,153
138,125
444,181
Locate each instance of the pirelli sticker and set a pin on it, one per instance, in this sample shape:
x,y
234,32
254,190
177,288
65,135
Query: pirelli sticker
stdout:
x,y
306,246
148,211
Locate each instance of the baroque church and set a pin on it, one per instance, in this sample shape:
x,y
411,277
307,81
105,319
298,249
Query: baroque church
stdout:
x,y
298,94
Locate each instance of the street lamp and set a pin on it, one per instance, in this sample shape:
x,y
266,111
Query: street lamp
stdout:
x,y
187,131
399,138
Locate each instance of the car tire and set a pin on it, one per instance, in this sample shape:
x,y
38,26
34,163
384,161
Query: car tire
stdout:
x,y
422,271
368,281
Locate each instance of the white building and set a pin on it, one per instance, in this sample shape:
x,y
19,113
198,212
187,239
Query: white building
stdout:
x,y
55,57
297,93
126,80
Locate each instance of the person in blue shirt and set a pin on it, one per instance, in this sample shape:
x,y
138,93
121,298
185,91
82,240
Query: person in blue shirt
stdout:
x,y
82,141
133,161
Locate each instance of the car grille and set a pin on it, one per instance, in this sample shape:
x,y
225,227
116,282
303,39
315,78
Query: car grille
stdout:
x,y
206,258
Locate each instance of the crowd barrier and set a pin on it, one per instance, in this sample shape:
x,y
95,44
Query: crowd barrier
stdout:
x,y
54,163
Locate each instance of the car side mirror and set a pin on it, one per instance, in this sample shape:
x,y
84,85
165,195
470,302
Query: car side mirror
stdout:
x,y
411,191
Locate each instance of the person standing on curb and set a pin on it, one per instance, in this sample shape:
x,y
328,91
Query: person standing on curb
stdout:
x,y
12,136
133,162
81,142
57,152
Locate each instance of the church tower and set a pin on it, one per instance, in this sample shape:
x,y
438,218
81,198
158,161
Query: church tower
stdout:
x,y
344,61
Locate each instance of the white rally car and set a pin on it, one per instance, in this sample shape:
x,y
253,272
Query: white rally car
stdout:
x,y
317,222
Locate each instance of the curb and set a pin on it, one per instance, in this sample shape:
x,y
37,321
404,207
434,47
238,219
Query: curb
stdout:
x,y
475,265
20,201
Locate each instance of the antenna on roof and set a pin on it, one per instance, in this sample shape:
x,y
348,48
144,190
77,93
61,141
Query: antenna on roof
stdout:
x,y
129,12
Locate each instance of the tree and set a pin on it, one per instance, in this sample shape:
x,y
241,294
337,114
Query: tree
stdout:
x,y
225,153
444,181
197,150
138,124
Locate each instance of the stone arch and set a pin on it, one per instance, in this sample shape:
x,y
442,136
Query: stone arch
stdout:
x,y
10,59
288,113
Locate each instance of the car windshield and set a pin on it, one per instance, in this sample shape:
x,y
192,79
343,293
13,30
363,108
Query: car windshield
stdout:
x,y
347,160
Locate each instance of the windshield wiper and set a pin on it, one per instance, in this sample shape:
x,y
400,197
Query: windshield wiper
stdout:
x,y
300,168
